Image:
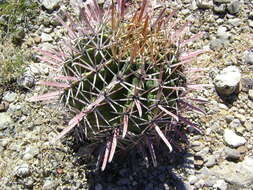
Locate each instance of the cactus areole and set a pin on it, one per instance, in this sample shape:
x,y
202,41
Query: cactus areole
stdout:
x,y
122,73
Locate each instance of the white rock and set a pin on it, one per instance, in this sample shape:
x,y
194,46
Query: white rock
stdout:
x,y
46,37
30,152
227,81
204,4
250,23
223,106
235,123
10,96
221,185
22,170
222,33
5,120
233,139
192,179
50,4
38,69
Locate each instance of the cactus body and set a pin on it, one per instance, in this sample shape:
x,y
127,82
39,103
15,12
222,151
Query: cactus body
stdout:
x,y
124,76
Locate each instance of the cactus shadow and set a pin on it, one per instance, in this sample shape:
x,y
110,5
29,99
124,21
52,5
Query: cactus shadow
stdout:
x,y
228,100
128,171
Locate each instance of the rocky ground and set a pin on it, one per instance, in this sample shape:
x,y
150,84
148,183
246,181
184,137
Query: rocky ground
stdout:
x,y
218,158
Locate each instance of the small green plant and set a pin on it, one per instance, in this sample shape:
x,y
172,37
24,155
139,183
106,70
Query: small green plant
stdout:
x,y
12,62
16,18
123,73
16,14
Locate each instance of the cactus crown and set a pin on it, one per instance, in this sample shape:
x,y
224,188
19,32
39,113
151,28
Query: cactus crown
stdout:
x,y
123,75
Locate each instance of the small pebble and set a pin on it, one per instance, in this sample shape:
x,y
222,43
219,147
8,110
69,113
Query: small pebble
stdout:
x,y
235,123
4,106
249,125
249,57
250,23
46,37
198,163
242,149
219,9
235,22
223,106
37,39
241,117
26,81
211,161
30,152
231,154
202,153
22,170
192,179
229,118
251,94
49,185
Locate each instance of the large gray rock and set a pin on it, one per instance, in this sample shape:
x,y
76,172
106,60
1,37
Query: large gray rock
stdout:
x,y
240,174
228,81
5,120
234,7
233,139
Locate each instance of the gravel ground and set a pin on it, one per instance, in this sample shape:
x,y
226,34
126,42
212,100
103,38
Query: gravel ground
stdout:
x,y
218,158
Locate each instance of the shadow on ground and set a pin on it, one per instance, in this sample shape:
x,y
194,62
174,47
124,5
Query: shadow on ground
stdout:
x,y
129,172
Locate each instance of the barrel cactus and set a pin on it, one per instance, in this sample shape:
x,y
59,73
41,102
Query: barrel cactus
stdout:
x,y
123,74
